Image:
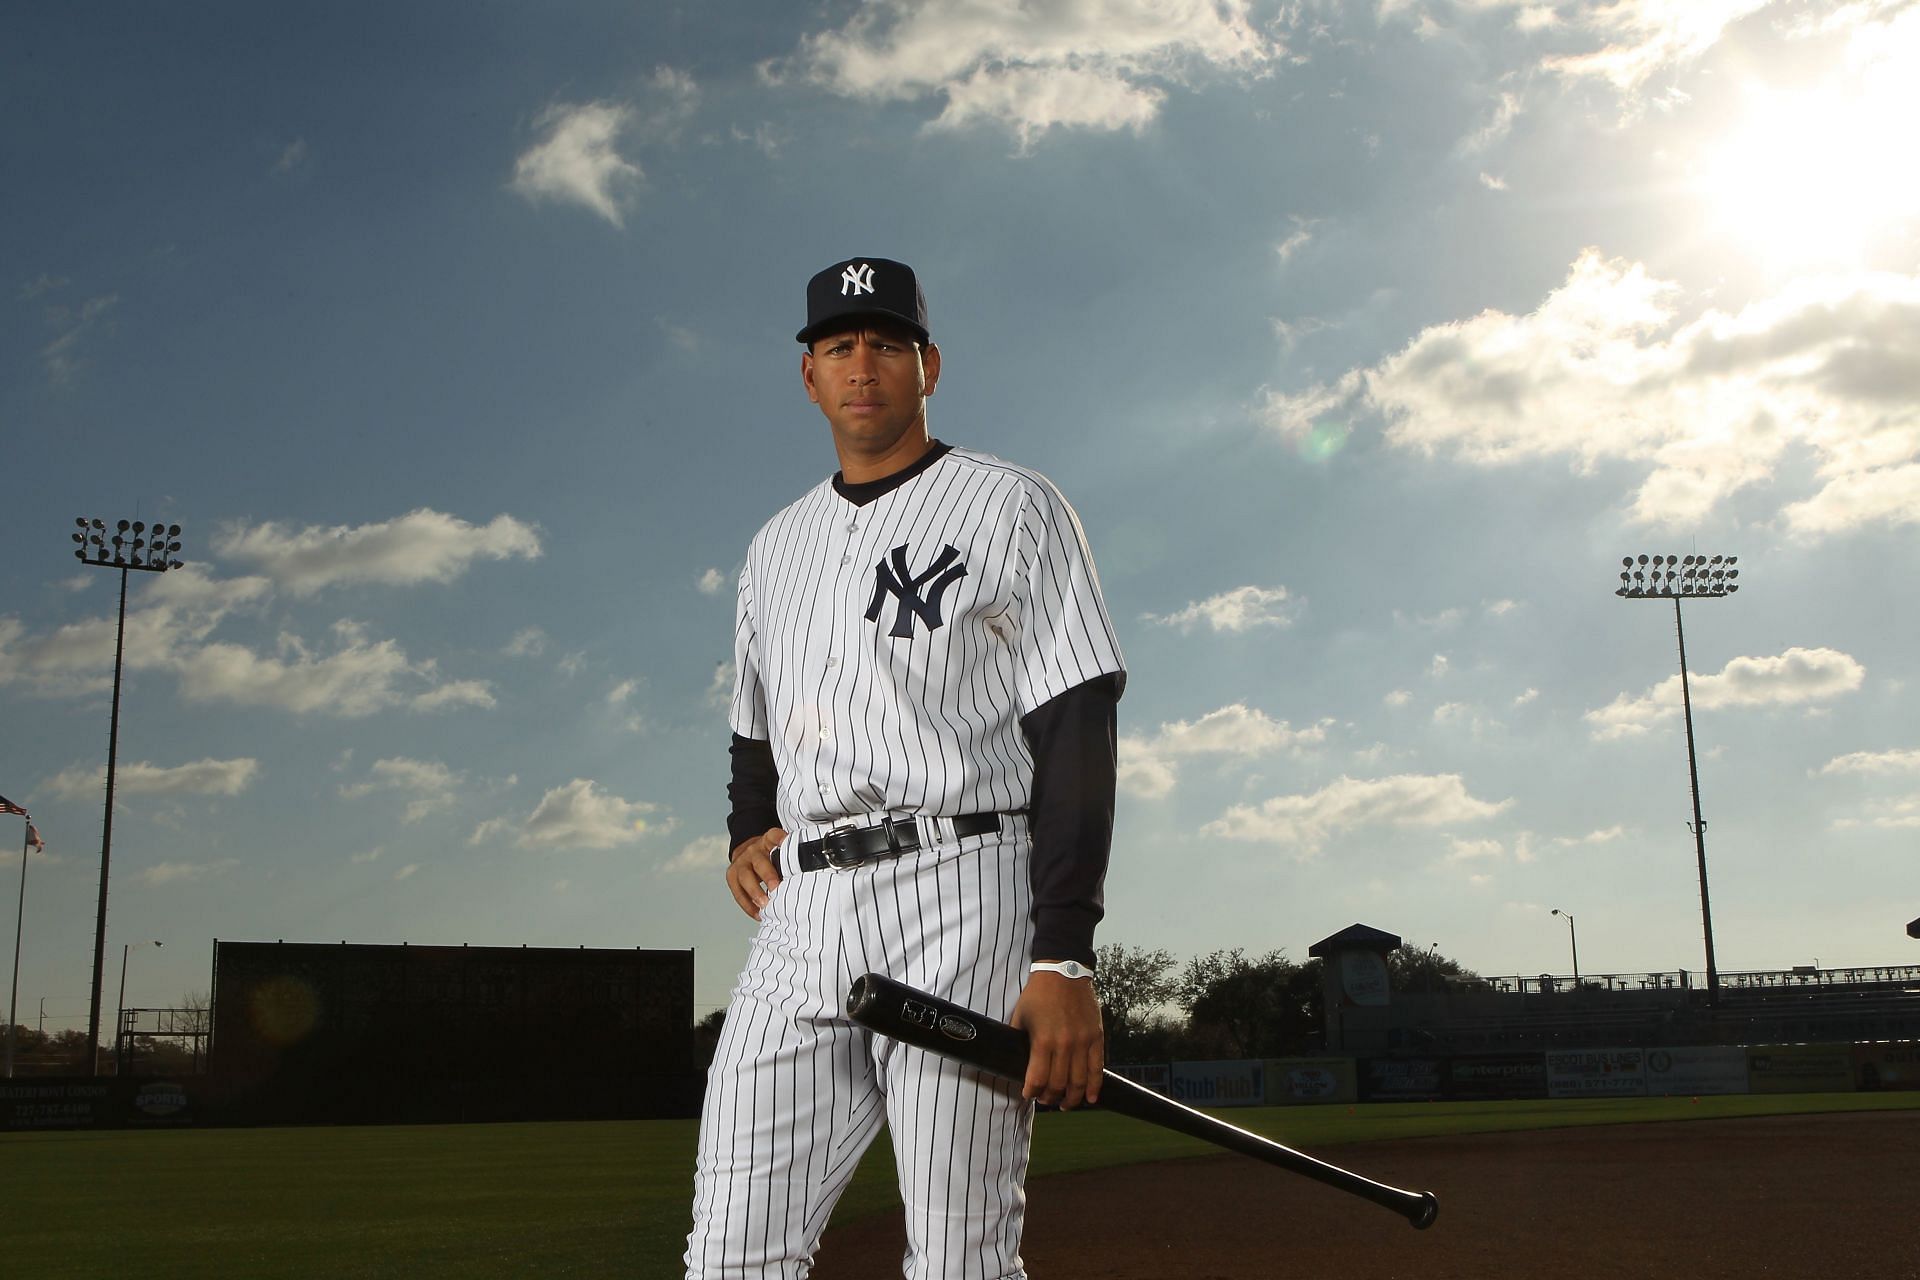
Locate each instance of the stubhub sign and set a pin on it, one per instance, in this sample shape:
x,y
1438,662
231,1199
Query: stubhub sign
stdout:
x,y
1239,1083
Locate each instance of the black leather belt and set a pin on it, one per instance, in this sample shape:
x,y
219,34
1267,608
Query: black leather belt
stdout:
x,y
851,846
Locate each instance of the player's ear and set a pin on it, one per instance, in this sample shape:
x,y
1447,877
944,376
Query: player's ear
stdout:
x,y
806,375
930,363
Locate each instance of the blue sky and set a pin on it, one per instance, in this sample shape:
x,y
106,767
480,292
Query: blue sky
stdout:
x,y
1366,339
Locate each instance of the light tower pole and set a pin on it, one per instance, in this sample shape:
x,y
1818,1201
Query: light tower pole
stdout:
x,y
1696,578
1573,940
132,545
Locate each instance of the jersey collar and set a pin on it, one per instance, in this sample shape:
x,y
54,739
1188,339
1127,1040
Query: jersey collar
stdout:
x,y
861,494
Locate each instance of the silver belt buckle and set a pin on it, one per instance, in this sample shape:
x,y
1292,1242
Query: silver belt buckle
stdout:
x,y
837,847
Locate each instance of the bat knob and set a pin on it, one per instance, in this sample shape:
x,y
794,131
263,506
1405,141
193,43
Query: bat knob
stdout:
x,y
1423,1215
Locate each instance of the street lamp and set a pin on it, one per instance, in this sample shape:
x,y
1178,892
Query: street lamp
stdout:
x,y
1574,939
131,545
120,1013
1697,578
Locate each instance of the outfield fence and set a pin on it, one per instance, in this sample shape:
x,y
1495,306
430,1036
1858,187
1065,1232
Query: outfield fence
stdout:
x,y
1625,1072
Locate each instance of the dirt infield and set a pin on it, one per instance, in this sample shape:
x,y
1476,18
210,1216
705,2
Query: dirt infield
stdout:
x,y
1826,1197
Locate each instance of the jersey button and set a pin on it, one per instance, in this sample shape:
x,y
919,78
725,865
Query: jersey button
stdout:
x,y
846,559
833,662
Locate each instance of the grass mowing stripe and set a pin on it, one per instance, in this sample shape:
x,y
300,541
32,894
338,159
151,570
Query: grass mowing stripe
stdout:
x,y
565,1200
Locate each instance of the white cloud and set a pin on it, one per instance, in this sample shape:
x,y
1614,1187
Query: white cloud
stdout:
x,y
720,688
1398,698
139,778
1506,109
1875,763
1305,823
705,853
292,156
1459,850
173,614
359,678
1796,676
1090,64
182,872
1525,696
454,693
577,161
1493,182
1605,370
1605,835
1623,42
419,547
62,356
1438,667
1240,609
1643,37
407,872
1147,765
578,815
430,785
368,855
618,695
712,582
529,642
1297,239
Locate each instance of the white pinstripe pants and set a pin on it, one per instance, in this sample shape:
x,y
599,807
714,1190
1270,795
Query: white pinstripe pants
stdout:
x,y
797,1092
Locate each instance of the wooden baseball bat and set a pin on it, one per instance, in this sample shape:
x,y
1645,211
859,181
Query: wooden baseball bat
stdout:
x,y
928,1022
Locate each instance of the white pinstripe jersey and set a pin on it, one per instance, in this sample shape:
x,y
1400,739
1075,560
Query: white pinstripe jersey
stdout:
x,y
890,673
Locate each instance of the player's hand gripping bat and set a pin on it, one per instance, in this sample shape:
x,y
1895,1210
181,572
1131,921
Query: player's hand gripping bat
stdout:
x,y
928,1022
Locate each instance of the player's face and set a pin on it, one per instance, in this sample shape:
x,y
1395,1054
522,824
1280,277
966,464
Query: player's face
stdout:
x,y
872,385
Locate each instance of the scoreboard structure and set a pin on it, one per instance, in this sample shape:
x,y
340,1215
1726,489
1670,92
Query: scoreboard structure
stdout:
x,y
339,1033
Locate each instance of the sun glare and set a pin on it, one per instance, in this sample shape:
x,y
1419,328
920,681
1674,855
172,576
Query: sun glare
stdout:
x,y
1815,177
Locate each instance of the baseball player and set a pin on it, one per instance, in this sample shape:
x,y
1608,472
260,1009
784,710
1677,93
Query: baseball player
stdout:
x,y
922,787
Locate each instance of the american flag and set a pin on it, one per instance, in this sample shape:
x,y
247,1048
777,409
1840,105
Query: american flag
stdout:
x,y
8,806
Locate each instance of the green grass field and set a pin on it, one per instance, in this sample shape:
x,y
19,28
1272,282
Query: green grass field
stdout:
x,y
582,1199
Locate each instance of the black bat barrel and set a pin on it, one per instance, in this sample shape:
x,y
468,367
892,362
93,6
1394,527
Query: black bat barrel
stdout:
x,y
940,1026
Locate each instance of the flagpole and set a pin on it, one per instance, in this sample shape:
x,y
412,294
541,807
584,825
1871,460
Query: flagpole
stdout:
x,y
19,917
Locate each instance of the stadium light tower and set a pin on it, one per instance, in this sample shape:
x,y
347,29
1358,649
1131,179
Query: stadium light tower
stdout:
x,y
1678,578
131,545
1573,939
120,1015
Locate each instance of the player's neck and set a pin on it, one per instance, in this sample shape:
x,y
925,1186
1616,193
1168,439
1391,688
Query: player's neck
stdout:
x,y
858,468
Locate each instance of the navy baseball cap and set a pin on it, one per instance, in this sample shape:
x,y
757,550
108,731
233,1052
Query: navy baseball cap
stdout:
x,y
877,287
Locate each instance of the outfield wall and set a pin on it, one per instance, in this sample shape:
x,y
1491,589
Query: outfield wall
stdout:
x,y
1628,1072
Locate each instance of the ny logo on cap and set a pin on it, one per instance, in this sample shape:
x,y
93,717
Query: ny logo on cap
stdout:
x,y
856,280
905,586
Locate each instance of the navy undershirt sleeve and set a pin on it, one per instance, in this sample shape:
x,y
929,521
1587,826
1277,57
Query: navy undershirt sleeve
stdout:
x,y
1072,738
752,791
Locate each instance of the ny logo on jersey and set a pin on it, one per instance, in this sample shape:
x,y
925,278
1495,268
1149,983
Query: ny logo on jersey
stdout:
x,y
856,280
912,592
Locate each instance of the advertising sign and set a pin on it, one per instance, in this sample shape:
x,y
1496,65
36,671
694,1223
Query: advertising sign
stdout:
x,y
1673,1073
1218,1084
1886,1066
1401,1079
1596,1073
1800,1068
1497,1075
1295,1081
28,1103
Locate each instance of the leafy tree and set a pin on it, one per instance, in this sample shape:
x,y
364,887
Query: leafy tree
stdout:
x,y
706,1037
1133,983
1259,1006
1412,968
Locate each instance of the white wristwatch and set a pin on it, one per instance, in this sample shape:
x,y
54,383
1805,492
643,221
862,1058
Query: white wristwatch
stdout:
x,y
1066,968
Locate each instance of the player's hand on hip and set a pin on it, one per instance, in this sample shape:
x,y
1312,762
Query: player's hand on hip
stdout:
x,y
1061,1017
751,873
